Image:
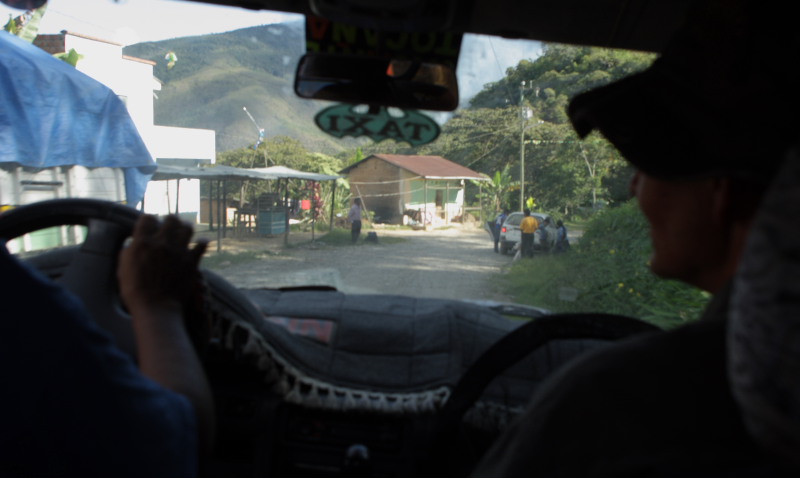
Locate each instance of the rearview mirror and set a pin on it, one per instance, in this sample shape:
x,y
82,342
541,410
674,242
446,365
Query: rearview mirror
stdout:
x,y
400,83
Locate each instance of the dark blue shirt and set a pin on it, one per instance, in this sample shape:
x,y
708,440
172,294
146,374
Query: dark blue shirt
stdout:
x,y
72,403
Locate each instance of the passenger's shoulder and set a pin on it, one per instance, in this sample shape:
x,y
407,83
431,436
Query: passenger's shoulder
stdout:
x,y
683,355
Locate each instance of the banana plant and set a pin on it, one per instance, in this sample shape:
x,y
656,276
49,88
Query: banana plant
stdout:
x,y
495,191
26,26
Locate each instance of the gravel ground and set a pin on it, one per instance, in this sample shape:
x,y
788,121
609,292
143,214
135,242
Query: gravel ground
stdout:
x,y
455,263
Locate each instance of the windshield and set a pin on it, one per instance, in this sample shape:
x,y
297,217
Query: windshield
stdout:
x,y
212,86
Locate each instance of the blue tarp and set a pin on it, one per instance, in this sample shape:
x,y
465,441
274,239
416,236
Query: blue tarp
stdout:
x,y
53,115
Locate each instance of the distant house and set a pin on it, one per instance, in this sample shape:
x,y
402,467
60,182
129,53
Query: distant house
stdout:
x,y
133,81
400,188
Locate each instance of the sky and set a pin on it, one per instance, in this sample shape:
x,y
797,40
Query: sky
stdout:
x,y
133,21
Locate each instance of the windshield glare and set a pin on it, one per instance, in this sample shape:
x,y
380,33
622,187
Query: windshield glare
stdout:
x,y
221,95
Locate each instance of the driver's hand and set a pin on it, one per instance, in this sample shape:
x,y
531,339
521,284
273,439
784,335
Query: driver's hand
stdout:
x,y
158,268
159,280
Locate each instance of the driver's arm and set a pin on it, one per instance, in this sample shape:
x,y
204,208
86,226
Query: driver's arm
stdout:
x,y
158,277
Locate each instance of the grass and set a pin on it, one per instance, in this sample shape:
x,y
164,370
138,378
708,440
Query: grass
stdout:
x,y
606,272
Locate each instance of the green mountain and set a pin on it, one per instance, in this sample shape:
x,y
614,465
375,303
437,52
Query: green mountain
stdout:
x,y
215,76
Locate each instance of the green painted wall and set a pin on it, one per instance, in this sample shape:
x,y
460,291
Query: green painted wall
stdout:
x,y
417,189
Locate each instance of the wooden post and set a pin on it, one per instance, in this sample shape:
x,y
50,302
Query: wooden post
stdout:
x,y
219,215
224,212
211,204
480,201
463,201
285,208
358,195
177,196
446,202
313,210
333,203
425,209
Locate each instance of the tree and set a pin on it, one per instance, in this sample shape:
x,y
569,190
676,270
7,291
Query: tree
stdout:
x,y
485,140
495,192
26,26
240,158
286,151
561,72
358,156
561,171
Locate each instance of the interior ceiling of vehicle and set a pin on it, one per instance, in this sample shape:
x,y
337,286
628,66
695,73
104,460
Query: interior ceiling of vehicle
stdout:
x,y
645,25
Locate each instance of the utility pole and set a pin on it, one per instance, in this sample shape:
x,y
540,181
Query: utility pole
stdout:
x,y
522,146
525,114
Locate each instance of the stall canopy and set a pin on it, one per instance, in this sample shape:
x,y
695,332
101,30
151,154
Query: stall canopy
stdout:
x,y
221,172
218,172
225,173
54,115
283,172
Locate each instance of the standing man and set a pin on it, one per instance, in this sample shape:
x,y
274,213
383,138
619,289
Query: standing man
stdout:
x,y
354,216
562,243
544,238
527,227
498,225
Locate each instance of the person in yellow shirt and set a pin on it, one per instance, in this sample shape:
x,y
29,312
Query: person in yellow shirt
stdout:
x,y
527,227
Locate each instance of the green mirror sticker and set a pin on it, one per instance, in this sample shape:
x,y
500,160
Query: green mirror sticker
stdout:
x,y
343,120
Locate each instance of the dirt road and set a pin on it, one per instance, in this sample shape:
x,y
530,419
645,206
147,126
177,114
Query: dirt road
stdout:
x,y
453,263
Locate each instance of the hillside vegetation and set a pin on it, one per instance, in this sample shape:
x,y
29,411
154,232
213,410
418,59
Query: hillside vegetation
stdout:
x,y
216,75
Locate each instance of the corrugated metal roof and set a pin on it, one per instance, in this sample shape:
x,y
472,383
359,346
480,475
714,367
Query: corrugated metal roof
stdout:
x,y
284,172
430,167
165,172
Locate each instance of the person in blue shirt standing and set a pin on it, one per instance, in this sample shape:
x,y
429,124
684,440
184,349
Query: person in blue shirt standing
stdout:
x,y
497,226
562,243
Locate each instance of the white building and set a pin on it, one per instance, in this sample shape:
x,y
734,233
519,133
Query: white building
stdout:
x,y
133,81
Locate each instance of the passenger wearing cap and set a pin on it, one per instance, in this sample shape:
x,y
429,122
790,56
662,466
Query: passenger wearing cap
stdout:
x,y
662,404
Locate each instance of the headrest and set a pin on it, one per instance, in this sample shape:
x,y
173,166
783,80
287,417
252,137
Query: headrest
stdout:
x,y
764,329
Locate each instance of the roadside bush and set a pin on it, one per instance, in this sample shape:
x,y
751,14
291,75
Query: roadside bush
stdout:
x,y
607,271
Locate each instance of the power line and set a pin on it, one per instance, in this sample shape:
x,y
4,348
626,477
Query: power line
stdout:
x,y
387,182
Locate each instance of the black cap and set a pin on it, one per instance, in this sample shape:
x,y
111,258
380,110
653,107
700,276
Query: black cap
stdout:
x,y
721,100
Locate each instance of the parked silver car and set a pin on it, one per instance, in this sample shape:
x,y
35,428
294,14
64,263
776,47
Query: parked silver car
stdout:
x,y
510,234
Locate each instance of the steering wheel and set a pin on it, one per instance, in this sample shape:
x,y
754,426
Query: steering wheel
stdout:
x,y
90,271
506,352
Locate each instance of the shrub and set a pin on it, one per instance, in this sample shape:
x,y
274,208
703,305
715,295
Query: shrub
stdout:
x,y
607,271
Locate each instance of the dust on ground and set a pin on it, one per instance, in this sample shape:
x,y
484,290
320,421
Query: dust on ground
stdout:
x,y
457,262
